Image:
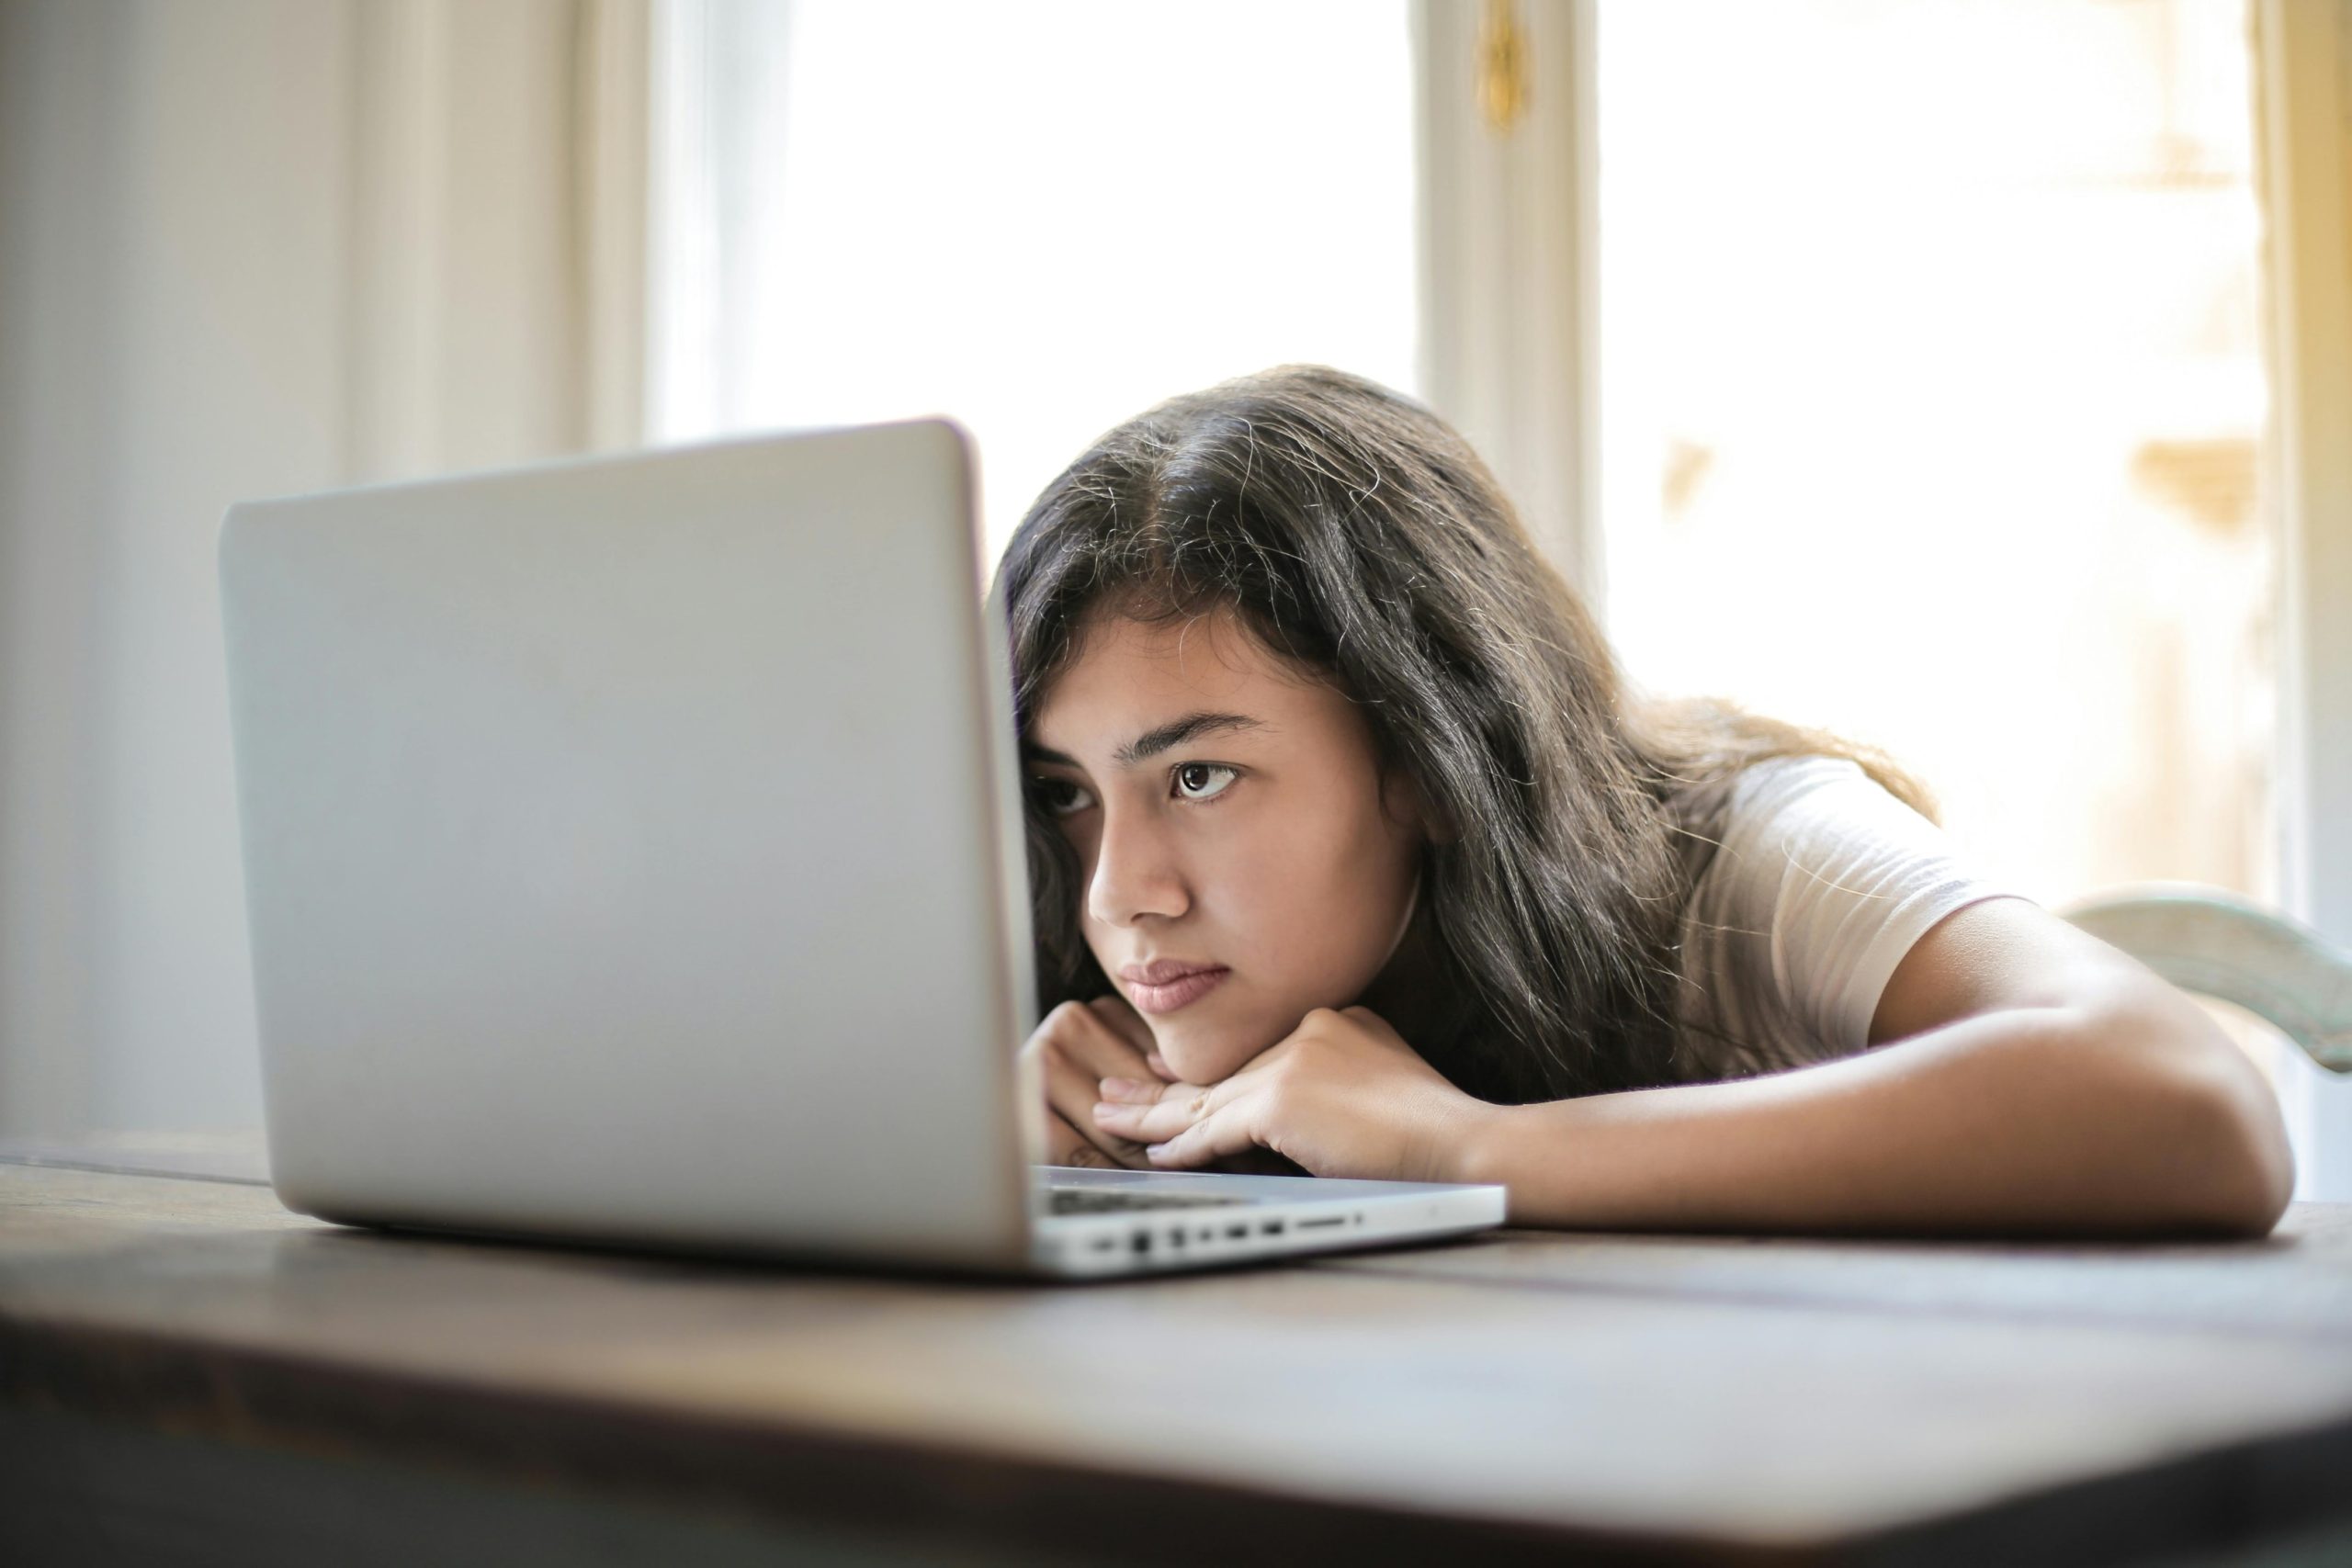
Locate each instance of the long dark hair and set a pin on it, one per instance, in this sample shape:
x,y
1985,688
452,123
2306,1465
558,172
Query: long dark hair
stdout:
x,y
1360,537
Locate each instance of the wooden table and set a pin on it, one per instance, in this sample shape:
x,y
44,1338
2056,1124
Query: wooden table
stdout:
x,y
190,1373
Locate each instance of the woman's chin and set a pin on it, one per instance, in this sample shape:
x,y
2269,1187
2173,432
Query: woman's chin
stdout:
x,y
1204,1053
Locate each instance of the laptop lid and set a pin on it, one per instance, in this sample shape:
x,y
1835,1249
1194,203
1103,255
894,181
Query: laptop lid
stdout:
x,y
632,850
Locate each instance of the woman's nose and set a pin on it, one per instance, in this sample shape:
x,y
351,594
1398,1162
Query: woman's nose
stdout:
x,y
1136,873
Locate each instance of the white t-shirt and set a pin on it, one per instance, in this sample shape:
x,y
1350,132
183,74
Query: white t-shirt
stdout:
x,y
1822,882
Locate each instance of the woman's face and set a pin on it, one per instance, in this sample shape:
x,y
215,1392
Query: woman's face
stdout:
x,y
1242,864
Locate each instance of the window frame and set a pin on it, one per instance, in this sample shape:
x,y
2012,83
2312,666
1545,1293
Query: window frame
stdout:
x,y
2304,66
1508,258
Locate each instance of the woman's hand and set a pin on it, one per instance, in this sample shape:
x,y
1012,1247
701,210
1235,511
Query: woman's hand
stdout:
x,y
1073,1050
1342,1095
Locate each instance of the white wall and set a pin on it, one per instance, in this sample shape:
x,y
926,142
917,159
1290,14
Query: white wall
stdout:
x,y
247,247
170,248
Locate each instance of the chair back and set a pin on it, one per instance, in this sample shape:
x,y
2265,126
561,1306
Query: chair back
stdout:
x,y
2218,944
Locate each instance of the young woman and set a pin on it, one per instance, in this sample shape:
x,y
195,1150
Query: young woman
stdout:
x,y
1351,850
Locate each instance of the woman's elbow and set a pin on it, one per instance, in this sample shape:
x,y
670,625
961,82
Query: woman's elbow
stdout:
x,y
2240,1170
2206,1147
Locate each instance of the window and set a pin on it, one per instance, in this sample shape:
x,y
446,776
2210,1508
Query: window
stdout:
x,y
1039,218
1932,394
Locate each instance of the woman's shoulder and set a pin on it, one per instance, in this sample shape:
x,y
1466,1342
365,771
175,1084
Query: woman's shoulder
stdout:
x,y
1725,819
1808,841
1822,879
1787,803
1761,786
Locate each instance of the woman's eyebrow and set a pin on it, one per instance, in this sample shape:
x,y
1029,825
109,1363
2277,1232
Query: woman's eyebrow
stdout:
x,y
1151,742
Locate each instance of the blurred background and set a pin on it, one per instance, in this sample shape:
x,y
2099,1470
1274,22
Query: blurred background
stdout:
x,y
1968,377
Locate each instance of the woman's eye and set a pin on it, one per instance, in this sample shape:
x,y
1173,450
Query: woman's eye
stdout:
x,y
1061,797
1203,781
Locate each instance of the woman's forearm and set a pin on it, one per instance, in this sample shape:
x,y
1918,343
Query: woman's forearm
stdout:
x,y
2039,1119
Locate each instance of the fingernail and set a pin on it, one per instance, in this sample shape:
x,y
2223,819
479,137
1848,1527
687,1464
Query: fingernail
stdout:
x,y
1119,1088
1104,1107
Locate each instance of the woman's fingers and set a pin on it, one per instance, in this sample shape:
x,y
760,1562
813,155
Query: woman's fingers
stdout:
x,y
1079,1031
1222,1133
1127,1025
1064,1146
1155,1119
1076,1046
1198,1127
1070,1094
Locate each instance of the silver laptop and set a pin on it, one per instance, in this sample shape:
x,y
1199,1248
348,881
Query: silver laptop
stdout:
x,y
633,855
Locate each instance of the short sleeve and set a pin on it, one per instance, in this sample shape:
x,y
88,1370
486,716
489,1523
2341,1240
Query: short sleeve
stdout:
x,y
1820,882
1855,878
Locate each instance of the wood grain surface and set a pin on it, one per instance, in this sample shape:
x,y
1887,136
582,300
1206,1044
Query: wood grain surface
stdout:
x,y
1517,1395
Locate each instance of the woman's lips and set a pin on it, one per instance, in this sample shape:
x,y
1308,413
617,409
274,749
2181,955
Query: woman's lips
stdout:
x,y
1164,986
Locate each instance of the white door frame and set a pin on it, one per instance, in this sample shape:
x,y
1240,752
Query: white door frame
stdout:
x,y
1509,343
2303,58
2303,76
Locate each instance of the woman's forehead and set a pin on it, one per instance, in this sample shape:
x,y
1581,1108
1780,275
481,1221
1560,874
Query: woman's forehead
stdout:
x,y
1125,674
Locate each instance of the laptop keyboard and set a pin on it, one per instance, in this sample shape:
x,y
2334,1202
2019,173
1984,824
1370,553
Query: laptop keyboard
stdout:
x,y
1106,1201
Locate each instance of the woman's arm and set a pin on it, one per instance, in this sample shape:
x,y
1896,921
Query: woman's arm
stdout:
x,y
2026,1079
